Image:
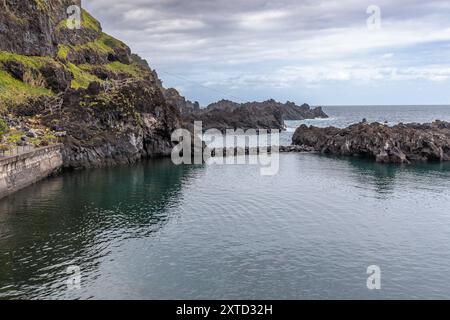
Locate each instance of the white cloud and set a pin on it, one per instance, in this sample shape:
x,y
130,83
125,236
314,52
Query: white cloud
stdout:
x,y
284,43
262,19
359,73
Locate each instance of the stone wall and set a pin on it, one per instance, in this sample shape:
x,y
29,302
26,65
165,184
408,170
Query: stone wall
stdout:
x,y
20,171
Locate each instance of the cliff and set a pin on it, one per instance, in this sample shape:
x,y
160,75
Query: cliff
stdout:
x,y
403,143
81,87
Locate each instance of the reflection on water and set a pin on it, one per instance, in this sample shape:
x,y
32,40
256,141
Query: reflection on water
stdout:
x,y
75,219
383,177
156,230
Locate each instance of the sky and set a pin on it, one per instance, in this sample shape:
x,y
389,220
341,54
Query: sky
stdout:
x,y
345,52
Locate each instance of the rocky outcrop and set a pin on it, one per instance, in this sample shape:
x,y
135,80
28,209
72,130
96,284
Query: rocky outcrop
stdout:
x,y
293,112
223,105
103,103
403,143
185,107
30,27
240,118
269,115
288,110
121,123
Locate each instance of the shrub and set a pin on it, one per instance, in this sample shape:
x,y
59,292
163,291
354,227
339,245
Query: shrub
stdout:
x,y
4,128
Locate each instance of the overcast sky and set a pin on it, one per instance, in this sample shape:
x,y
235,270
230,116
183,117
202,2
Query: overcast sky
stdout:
x,y
315,51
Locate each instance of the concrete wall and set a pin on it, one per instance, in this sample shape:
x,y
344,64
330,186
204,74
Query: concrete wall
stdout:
x,y
20,171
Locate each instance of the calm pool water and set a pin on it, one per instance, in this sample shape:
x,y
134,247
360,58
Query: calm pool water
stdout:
x,y
158,231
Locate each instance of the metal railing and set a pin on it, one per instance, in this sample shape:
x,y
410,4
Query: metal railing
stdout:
x,y
16,150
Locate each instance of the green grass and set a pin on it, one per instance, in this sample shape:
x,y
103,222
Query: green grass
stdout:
x,y
27,61
105,45
131,69
14,92
111,42
63,51
31,65
81,78
33,86
4,128
87,21
14,136
117,68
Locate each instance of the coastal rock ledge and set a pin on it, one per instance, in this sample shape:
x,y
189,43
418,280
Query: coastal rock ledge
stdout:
x,y
402,143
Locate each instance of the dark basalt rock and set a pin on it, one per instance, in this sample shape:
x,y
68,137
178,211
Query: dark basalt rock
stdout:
x,y
15,68
121,118
403,143
241,118
119,124
268,115
29,27
294,149
77,36
95,57
185,107
57,78
94,88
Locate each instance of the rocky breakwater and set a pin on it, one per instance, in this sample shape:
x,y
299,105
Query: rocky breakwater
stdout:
x,y
402,143
80,87
268,115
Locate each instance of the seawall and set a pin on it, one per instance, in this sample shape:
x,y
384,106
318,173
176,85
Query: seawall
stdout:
x,y
20,171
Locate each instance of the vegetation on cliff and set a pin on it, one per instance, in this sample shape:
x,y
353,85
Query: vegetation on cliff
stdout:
x,y
82,86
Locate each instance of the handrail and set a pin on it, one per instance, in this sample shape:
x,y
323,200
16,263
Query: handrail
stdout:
x,y
27,151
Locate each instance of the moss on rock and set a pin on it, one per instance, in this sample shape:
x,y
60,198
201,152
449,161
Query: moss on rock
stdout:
x,y
87,22
14,92
81,78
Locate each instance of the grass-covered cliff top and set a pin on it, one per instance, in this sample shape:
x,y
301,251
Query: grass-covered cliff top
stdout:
x,y
82,56
87,22
102,46
17,85
15,92
99,59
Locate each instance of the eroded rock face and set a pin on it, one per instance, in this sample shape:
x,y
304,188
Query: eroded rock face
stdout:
x,y
29,27
118,124
103,103
185,107
403,143
268,115
56,77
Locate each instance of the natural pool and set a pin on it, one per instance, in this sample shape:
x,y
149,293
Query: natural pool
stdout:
x,y
156,230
